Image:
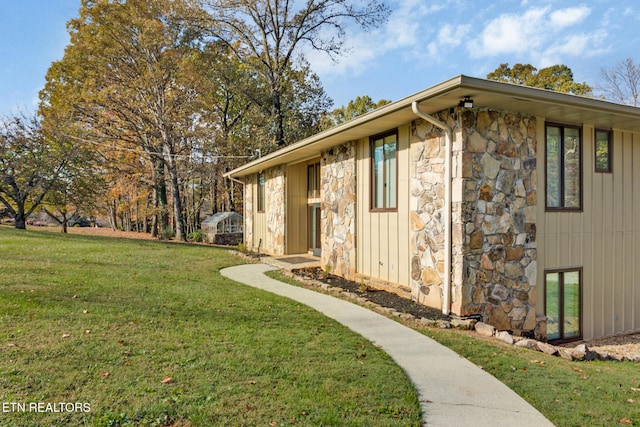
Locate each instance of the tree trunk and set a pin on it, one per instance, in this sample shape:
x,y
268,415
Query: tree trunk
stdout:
x,y
177,201
113,217
278,116
161,196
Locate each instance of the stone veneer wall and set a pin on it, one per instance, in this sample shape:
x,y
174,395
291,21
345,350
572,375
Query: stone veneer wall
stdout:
x,y
338,205
493,216
275,209
249,188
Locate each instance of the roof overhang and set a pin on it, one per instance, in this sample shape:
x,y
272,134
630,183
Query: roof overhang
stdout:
x,y
552,106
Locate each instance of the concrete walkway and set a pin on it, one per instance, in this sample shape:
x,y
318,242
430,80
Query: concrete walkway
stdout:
x,y
454,391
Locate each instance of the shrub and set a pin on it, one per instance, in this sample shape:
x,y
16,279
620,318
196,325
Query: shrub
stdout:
x,y
196,236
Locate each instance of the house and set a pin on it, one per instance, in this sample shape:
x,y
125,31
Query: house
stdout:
x,y
515,204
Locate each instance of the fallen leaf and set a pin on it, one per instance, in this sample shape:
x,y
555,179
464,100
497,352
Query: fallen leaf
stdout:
x,y
66,335
85,311
625,421
104,374
578,370
87,331
635,389
167,380
273,423
630,400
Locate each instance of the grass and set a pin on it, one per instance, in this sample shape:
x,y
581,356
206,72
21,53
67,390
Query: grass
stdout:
x,y
150,334
571,394
568,393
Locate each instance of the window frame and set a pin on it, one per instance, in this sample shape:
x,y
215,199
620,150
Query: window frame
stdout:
x,y
372,177
561,272
609,168
313,180
261,184
561,183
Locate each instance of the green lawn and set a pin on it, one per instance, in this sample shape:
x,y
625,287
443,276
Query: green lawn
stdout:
x,y
149,333
571,394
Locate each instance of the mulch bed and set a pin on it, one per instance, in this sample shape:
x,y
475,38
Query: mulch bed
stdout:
x,y
379,297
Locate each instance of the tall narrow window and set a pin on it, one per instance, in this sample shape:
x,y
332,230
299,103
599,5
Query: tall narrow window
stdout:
x,y
603,151
313,181
261,182
384,171
563,168
562,305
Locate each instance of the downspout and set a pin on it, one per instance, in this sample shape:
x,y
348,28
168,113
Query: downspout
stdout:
x,y
446,297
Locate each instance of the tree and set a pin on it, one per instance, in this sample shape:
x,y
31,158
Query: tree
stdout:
x,y
357,107
558,78
73,194
30,164
268,35
124,74
621,83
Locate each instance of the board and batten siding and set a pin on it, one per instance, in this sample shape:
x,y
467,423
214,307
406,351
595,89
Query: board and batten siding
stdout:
x,y
383,237
256,222
296,214
603,239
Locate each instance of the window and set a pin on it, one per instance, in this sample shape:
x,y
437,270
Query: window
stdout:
x,y
313,181
562,304
384,172
603,150
563,167
261,192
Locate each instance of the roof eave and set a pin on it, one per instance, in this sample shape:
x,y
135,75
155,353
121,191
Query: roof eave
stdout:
x,y
521,97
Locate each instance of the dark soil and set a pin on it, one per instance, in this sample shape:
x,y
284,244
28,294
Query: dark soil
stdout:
x,y
379,297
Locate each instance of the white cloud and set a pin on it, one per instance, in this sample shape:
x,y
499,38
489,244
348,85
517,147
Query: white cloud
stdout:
x,y
511,33
539,35
569,16
449,36
401,32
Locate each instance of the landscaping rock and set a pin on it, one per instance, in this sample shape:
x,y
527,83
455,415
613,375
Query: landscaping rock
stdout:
x,y
504,336
485,329
428,322
465,324
528,343
443,324
407,316
565,353
547,348
579,352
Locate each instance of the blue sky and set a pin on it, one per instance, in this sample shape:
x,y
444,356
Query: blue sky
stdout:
x,y
423,43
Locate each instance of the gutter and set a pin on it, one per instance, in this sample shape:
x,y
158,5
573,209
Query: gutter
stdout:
x,y
446,297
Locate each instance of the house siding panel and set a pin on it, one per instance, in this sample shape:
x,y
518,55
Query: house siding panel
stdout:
x,y
383,245
603,239
296,233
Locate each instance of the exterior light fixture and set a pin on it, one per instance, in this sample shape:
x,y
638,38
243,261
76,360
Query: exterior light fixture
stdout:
x,y
467,102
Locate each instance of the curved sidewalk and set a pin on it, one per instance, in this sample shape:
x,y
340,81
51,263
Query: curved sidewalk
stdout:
x,y
453,391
